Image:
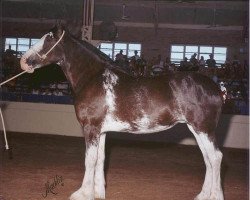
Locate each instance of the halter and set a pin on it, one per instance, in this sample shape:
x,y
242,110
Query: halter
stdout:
x,y
44,56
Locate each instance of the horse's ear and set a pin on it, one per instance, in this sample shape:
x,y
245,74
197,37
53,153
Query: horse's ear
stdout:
x,y
74,27
58,29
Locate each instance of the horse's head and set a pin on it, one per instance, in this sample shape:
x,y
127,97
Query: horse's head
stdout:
x,y
46,51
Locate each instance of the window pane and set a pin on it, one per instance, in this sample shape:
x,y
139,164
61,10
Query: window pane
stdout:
x,y
10,42
106,46
121,46
178,56
134,47
188,55
22,48
193,49
222,50
34,41
220,57
177,48
204,49
13,47
24,41
130,53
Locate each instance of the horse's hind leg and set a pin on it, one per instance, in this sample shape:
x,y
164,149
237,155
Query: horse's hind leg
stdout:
x,y
99,170
211,189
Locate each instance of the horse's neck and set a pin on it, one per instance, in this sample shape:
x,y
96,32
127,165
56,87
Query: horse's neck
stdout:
x,y
80,64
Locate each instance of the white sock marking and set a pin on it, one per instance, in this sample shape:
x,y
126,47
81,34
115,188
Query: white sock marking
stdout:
x,y
99,170
212,157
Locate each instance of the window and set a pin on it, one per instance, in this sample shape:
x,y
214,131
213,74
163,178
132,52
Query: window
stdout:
x,y
179,52
111,49
19,45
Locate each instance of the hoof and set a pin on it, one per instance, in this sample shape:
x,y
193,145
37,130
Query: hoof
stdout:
x,y
100,192
79,195
202,196
99,196
217,197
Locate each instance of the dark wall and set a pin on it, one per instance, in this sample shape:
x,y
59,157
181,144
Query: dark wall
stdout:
x,y
222,23
34,18
160,43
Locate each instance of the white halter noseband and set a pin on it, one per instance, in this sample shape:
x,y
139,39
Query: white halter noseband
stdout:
x,y
44,56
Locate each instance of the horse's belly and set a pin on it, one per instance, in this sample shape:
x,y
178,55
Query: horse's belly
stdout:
x,y
141,125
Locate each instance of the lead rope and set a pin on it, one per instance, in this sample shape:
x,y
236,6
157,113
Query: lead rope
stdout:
x,y
1,114
4,131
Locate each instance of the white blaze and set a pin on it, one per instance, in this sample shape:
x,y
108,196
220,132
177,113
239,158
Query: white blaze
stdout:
x,y
36,48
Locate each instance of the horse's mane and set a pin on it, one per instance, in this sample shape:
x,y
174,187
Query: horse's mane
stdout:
x,y
108,62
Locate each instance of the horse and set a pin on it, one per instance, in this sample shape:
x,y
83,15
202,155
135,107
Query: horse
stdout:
x,y
108,98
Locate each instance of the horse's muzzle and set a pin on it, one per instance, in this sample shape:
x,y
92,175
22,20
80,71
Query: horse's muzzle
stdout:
x,y
27,64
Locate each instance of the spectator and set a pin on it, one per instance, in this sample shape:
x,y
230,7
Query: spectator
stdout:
x,y
120,57
135,56
134,68
47,92
184,65
202,62
194,65
193,59
158,67
57,92
160,61
122,60
142,64
227,66
35,91
211,62
167,64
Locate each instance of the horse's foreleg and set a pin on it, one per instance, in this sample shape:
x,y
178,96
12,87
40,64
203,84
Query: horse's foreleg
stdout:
x,y
211,189
86,191
99,169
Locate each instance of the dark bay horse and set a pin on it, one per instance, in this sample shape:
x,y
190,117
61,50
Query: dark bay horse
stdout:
x,y
107,98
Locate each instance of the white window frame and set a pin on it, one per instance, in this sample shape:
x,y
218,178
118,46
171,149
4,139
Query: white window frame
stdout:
x,y
116,50
17,44
199,53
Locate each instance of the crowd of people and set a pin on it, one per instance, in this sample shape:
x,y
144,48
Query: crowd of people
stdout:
x,y
139,66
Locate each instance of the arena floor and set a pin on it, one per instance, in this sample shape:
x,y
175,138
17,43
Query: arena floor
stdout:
x,y
134,170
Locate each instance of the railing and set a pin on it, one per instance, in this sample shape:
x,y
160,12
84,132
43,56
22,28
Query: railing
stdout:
x,y
36,98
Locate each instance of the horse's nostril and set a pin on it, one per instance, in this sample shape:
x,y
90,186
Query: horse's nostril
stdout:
x,y
30,62
34,62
